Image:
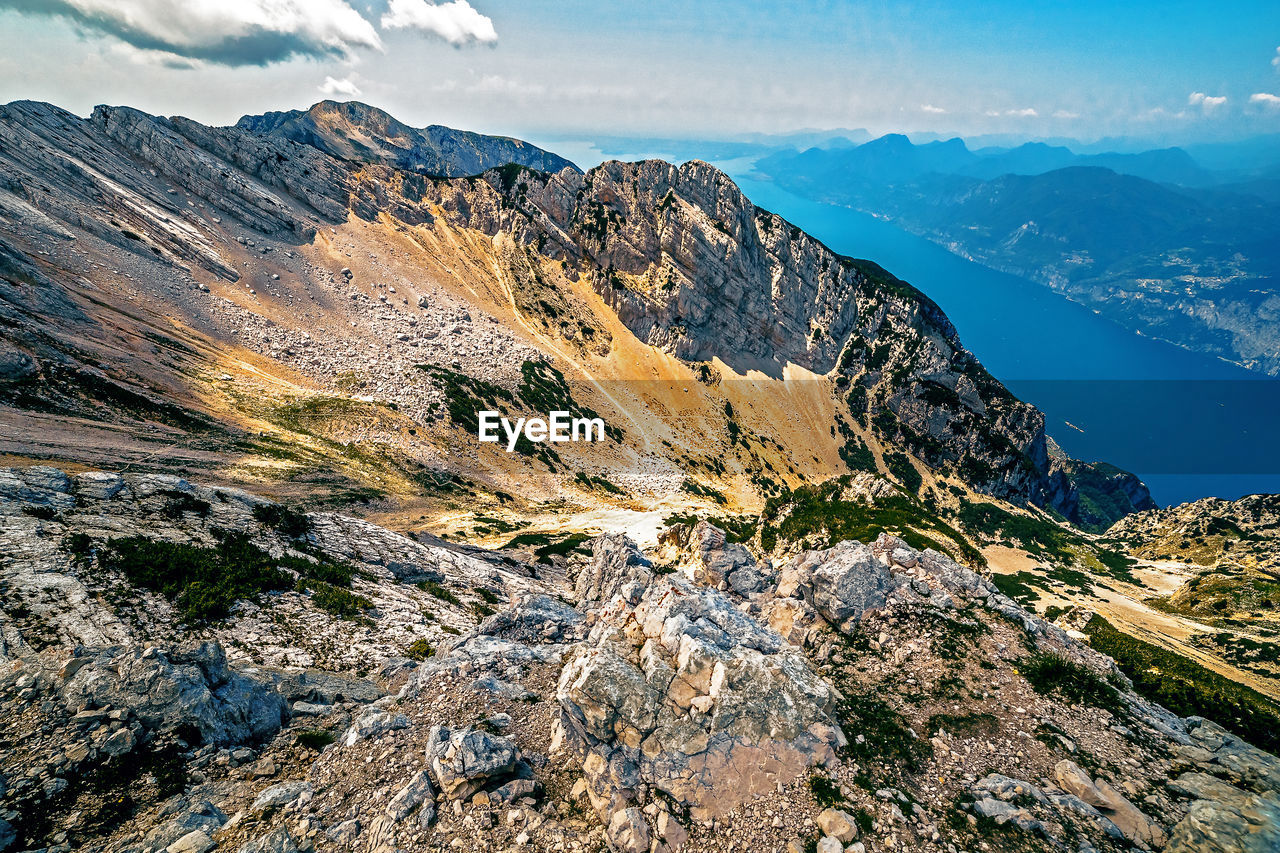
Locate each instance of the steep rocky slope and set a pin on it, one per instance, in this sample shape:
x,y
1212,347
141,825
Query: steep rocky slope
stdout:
x,y
691,697
354,131
183,304
620,275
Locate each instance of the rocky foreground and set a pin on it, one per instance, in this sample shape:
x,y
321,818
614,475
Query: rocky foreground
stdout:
x,y
865,697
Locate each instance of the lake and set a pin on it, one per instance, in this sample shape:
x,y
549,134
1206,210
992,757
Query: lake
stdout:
x,y
1190,425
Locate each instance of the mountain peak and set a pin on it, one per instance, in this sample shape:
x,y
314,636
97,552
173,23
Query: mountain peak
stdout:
x,y
353,130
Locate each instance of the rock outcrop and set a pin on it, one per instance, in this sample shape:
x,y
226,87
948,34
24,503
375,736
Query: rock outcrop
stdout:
x,y
181,691
677,690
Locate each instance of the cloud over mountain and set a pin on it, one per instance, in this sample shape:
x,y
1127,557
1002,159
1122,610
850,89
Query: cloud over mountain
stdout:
x,y
227,32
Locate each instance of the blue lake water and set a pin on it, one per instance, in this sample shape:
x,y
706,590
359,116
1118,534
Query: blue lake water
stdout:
x,y
1190,425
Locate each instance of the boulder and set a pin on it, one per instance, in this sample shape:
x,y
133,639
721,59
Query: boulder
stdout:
x,y
838,824
190,689
711,560
829,844
197,841
418,792
464,761
279,796
371,722
1135,825
616,562
628,832
278,840
1249,825
535,619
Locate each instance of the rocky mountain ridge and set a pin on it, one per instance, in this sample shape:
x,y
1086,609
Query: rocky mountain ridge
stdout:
x,y
664,247
354,131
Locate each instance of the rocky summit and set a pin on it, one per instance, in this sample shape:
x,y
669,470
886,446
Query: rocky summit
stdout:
x,y
870,696
825,584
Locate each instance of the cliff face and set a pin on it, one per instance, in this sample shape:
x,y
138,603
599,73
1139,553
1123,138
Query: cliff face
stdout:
x,y
692,267
356,131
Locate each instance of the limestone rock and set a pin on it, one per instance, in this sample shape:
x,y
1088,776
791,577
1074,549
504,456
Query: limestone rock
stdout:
x,y
616,563
279,796
684,692
838,824
417,792
463,761
628,832
188,687
1135,825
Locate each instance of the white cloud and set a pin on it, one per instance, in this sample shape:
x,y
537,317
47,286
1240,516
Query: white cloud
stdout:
x,y
1029,112
1208,103
227,32
339,88
1275,60
1265,99
930,108
455,22
1065,114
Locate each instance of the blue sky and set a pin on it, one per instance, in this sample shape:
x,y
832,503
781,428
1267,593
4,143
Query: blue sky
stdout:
x,y
1160,71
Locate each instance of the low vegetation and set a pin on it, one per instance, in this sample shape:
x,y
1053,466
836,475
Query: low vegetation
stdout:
x,y
205,582
819,516
1187,688
282,519
1051,673
548,545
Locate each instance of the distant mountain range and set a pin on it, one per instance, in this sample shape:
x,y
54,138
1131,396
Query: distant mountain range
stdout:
x,y
1153,240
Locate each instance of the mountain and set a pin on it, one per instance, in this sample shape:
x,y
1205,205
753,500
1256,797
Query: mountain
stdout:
x,y
354,131
1196,267
255,560
648,251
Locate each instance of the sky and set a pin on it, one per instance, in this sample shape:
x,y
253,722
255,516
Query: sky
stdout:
x,y
1164,72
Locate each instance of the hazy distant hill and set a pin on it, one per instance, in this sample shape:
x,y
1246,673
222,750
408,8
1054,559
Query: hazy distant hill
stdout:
x,y
1145,238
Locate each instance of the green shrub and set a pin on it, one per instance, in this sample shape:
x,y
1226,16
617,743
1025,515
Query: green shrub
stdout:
x,y
885,734
976,724
1017,585
340,602
282,519
693,487
826,793
178,503
44,513
420,649
441,592
203,581
899,465
548,545
1051,673
817,513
